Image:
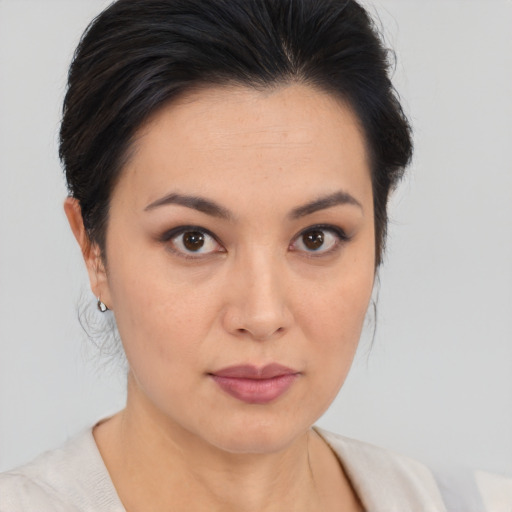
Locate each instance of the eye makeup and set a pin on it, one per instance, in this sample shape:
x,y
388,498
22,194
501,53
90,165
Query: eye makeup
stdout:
x,y
197,242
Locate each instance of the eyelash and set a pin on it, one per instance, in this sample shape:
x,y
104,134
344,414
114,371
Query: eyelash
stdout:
x,y
339,233
174,233
168,236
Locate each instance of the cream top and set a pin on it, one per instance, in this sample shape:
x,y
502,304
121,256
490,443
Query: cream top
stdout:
x,y
74,478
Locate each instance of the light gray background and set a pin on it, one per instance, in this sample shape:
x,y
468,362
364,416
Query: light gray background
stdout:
x,y
438,382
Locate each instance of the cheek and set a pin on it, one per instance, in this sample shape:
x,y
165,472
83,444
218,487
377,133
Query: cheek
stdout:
x,y
165,343
334,326
333,317
156,309
337,303
330,321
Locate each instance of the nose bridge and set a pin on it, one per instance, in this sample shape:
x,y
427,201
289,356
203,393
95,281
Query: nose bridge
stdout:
x,y
263,273
259,305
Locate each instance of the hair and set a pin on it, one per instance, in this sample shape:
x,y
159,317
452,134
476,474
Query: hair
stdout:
x,y
138,55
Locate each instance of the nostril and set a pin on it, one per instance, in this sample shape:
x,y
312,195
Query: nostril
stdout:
x,y
260,335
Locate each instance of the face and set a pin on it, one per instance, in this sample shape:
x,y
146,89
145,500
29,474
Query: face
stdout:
x,y
240,250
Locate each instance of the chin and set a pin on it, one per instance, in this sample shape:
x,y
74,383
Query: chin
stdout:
x,y
252,435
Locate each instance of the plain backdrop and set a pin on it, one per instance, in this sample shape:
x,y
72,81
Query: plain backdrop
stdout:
x,y
436,385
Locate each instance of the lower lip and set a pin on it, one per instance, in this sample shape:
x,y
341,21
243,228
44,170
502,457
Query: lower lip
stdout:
x,y
256,391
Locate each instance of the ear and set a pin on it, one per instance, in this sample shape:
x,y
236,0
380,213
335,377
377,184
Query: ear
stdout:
x,y
90,252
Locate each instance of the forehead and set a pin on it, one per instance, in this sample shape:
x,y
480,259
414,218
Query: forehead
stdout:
x,y
292,136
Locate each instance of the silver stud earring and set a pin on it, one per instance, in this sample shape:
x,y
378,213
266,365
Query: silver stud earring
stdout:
x,y
101,306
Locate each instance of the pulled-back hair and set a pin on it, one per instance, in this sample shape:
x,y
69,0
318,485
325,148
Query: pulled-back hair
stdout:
x,y
138,55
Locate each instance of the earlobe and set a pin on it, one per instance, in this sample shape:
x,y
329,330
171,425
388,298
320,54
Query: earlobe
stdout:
x,y
90,251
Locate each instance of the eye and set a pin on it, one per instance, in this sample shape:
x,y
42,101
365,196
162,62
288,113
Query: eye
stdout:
x,y
192,241
318,240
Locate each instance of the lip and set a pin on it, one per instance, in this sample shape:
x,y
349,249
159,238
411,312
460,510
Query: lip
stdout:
x,y
254,385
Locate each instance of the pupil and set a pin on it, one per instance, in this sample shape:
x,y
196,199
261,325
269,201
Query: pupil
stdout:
x,y
193,240
313,239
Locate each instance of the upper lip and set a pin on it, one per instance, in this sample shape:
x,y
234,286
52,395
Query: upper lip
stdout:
x,y
248,371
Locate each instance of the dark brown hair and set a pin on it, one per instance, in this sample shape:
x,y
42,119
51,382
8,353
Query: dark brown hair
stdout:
x,y
138,55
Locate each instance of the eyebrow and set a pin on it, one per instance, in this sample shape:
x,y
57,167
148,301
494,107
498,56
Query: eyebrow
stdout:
x,y
338,198
211,208
196,203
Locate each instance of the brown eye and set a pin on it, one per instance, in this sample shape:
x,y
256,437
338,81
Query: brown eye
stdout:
x,y
194,243
319,240
193,240
313,240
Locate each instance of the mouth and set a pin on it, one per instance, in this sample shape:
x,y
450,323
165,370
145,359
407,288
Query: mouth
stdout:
x,y
254,385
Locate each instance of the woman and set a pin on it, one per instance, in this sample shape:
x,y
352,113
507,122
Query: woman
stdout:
x,y
229,165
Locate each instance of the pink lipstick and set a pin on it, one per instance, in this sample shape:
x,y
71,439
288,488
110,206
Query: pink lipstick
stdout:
x,y
255,385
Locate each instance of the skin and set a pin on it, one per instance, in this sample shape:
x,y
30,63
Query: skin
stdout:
x,y
255,295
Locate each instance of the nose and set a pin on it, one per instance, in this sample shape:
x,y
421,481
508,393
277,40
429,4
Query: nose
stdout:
x,y
257,306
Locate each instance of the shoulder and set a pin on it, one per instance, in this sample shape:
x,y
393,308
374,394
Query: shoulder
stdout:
x,y
19,493
38,485
474,491
71,478
385,480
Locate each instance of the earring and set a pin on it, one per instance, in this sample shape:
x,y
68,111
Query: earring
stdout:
x,y
101,306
